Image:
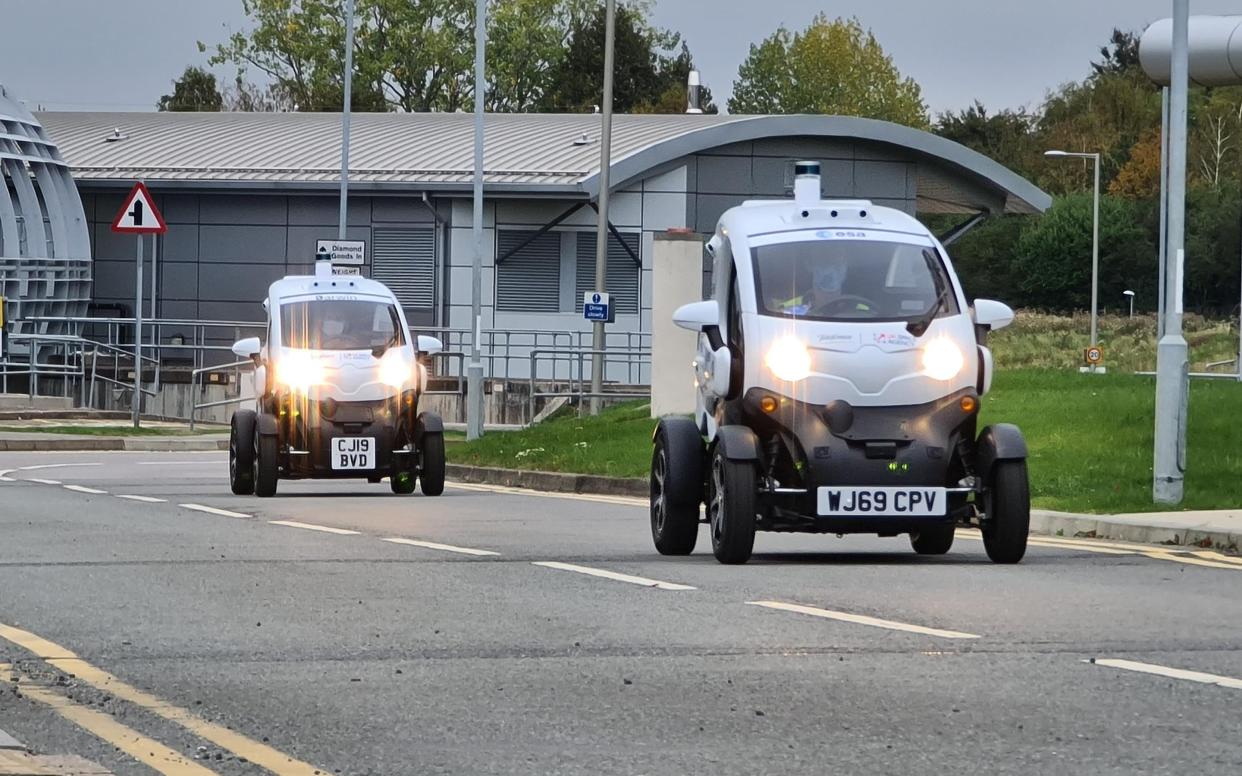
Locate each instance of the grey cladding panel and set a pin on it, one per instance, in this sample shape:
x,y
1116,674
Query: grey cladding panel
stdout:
x,y
254,244
402,210
243,209
529,280
880,179
726,175
178,280
179,243
622,274
405,261
232,282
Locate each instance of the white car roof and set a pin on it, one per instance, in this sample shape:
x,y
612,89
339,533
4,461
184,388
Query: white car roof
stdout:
x,y
765,216
303,285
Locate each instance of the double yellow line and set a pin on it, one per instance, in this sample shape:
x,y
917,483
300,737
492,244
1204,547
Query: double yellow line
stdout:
x,y
147,751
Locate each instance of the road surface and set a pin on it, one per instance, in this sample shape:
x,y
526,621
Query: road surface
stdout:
x,y
155,623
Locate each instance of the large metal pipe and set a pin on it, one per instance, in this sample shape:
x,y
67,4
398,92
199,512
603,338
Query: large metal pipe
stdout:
x,y
1215,50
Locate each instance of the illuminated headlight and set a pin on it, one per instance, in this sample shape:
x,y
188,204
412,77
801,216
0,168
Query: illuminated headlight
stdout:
x,y
789,359
299,371
942,360
394,371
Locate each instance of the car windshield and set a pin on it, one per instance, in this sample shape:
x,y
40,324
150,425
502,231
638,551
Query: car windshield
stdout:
x,y
340,324
843,279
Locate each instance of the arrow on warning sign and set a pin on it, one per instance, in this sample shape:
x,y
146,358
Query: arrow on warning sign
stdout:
x,y
139,215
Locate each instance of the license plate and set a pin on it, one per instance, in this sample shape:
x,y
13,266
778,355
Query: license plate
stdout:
x,y
353,453
890,502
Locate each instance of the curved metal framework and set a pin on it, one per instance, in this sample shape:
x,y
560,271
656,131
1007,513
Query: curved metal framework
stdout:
x,y
45,251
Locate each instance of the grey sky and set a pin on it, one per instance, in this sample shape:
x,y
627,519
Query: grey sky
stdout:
x,y
122,54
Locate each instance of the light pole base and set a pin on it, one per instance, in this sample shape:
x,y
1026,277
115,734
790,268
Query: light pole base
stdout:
x,y
1172,395
1093,370
474,401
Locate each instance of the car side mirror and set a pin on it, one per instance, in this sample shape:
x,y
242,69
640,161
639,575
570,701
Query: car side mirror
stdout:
x,y
993,315
248,348
697,316
429,345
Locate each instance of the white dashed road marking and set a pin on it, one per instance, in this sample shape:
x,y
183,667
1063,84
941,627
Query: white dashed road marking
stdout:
x,y
438,546
214,511
860,619
1172,673
144,499
633,580
312,527
84,489
43,482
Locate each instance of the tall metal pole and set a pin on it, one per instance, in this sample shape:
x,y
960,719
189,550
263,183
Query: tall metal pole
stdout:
x,y
1164,208
349,82
1095,258
1172,366
155,273
601,238
137,408
474,372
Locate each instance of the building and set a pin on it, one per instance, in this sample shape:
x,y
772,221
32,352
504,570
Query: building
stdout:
x,y
246,196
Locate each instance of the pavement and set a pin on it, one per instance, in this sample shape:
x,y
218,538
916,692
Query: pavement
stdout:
x,y
154,622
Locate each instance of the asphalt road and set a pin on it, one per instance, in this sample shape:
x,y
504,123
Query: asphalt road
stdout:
x,y
425,636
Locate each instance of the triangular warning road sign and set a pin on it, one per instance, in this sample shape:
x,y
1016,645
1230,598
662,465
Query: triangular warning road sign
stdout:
x,y
139,215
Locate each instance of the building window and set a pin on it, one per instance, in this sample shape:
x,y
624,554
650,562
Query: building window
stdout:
x,y
622,273
528,281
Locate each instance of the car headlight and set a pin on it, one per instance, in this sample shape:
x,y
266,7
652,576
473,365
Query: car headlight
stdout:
x,y
394,371
299,371
789,359
942,360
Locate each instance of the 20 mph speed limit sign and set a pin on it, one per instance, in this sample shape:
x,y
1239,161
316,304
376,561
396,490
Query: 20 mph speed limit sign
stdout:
x,y
1093,355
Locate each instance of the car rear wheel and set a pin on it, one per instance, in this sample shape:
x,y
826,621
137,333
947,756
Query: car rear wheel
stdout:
x,y
241,453
1008,518
731,507
676,487
933,540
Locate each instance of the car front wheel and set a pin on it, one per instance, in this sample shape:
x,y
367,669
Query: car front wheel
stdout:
x,y
731,506
1008,518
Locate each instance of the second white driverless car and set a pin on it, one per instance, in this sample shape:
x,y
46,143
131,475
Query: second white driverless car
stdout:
x,y
337,385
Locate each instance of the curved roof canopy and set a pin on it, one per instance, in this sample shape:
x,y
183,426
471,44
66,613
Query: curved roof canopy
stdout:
x,y
525,153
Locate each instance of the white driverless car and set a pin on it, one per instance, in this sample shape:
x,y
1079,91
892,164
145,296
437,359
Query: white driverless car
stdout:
x,y
337,384
839,375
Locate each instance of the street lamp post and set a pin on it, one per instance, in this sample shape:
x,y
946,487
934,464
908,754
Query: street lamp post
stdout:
x,y
599,340
1095,240
1130,294
474,371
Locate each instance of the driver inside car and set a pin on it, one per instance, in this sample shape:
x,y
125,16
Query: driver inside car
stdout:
x,y
828,275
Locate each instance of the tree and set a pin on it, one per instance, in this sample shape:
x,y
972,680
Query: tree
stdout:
x,y
1139,178
195,90
1120,55
1007,137
832,67
1053,254
646,78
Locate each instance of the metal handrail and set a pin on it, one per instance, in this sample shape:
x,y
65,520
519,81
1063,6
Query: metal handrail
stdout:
x,y
581,392
196,375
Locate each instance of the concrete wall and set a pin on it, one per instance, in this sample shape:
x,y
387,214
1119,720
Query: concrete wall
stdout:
x,y
676,260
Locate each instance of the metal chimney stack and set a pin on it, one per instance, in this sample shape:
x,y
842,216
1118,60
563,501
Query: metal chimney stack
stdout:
x,y
694,90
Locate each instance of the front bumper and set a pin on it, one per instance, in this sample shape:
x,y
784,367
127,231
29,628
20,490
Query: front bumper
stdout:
x,y
811,446
308,428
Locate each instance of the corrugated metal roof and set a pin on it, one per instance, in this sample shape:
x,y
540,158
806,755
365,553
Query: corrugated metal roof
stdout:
x,y
530,153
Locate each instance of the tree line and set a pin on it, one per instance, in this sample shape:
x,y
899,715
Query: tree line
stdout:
x,y
547,56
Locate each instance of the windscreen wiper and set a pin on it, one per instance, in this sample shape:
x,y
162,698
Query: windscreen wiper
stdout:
x,y
918,326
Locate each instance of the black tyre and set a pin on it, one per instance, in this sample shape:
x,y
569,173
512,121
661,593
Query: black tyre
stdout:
x,y
676,486
241,453
431,473
933,540
402,482
266,464
1008,518
731,505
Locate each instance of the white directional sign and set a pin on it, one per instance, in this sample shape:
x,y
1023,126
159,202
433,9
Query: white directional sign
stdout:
x,y
139,215
350,253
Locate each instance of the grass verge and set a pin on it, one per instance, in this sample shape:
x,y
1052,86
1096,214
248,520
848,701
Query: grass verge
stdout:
x,y
1090,438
